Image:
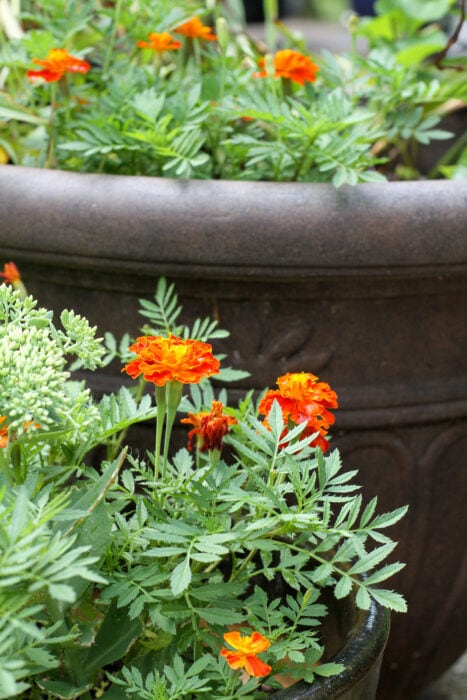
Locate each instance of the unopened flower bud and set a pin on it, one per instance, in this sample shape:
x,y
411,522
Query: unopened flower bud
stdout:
x,y
222,31
352,23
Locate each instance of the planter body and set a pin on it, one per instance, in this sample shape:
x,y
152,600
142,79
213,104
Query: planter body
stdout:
x,y
366,287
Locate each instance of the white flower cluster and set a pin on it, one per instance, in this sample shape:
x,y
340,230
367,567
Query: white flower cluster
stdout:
x,y
35,388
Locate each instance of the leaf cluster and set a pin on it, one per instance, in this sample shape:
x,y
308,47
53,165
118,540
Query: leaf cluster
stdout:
x,y
118,580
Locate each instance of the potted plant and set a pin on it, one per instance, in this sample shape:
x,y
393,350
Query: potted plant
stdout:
x,y
369,279
180,574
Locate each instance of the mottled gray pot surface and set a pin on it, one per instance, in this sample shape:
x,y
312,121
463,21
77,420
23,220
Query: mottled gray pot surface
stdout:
x,y
365,287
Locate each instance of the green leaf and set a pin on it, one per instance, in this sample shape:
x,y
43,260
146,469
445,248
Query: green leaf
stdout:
x,y
373,558
181,577
63,592
329,669
20,114
115,636
384,573
63,690
363,599
343,587
389,599
388,519
220,616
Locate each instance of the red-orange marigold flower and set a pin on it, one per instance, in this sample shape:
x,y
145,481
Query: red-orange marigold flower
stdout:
x,y
10,273
56,64
292,65
161,360
195,29
159,42
245,652
210,427
3,432
4,429
303,399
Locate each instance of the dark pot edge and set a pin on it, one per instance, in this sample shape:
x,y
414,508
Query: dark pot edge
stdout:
x,y
138,221
364,650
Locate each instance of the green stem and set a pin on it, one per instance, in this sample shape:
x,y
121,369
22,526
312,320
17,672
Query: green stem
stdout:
x,y
49,161
271,12
161,403
173,396
113,36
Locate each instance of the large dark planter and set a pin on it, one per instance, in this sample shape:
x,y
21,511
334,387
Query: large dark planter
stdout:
x,y
355,639
365,287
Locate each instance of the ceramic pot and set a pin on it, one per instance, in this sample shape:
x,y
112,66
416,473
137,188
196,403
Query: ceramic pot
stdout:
x,y
366,287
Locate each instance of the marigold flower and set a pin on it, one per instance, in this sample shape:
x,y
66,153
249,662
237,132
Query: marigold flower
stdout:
x,y
161,360
195,29
159,42
210,427
292,65
245,652
303,399
10,273
56,64
3,432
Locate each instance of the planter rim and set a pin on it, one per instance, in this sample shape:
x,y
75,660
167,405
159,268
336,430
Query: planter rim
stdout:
x,y
359,654
237,228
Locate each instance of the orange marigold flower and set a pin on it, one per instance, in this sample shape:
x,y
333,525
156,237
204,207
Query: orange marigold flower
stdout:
x,y
159,42
210,427
245,652
4,430
10,273
195,29
303,399
3,433
161,360
292,65
56,64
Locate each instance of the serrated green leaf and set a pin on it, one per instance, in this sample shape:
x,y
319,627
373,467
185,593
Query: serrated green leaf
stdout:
x,y
373,558
181,577
384,573
389,599
115,636
343,587
388,519
220,616
363,599
328,670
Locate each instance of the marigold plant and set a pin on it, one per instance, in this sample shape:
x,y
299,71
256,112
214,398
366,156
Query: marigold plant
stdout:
x,y
186,90
127,570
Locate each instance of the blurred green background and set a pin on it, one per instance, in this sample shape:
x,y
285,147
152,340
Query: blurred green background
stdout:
x,y
324,9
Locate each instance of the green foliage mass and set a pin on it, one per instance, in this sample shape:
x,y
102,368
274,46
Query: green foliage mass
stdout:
x,y
114,579
203,112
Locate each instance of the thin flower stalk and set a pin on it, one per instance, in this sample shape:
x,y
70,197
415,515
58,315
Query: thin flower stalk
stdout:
x,y
169,363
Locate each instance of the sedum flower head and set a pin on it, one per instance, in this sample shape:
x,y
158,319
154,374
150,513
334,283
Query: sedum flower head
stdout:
x,y
35,390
